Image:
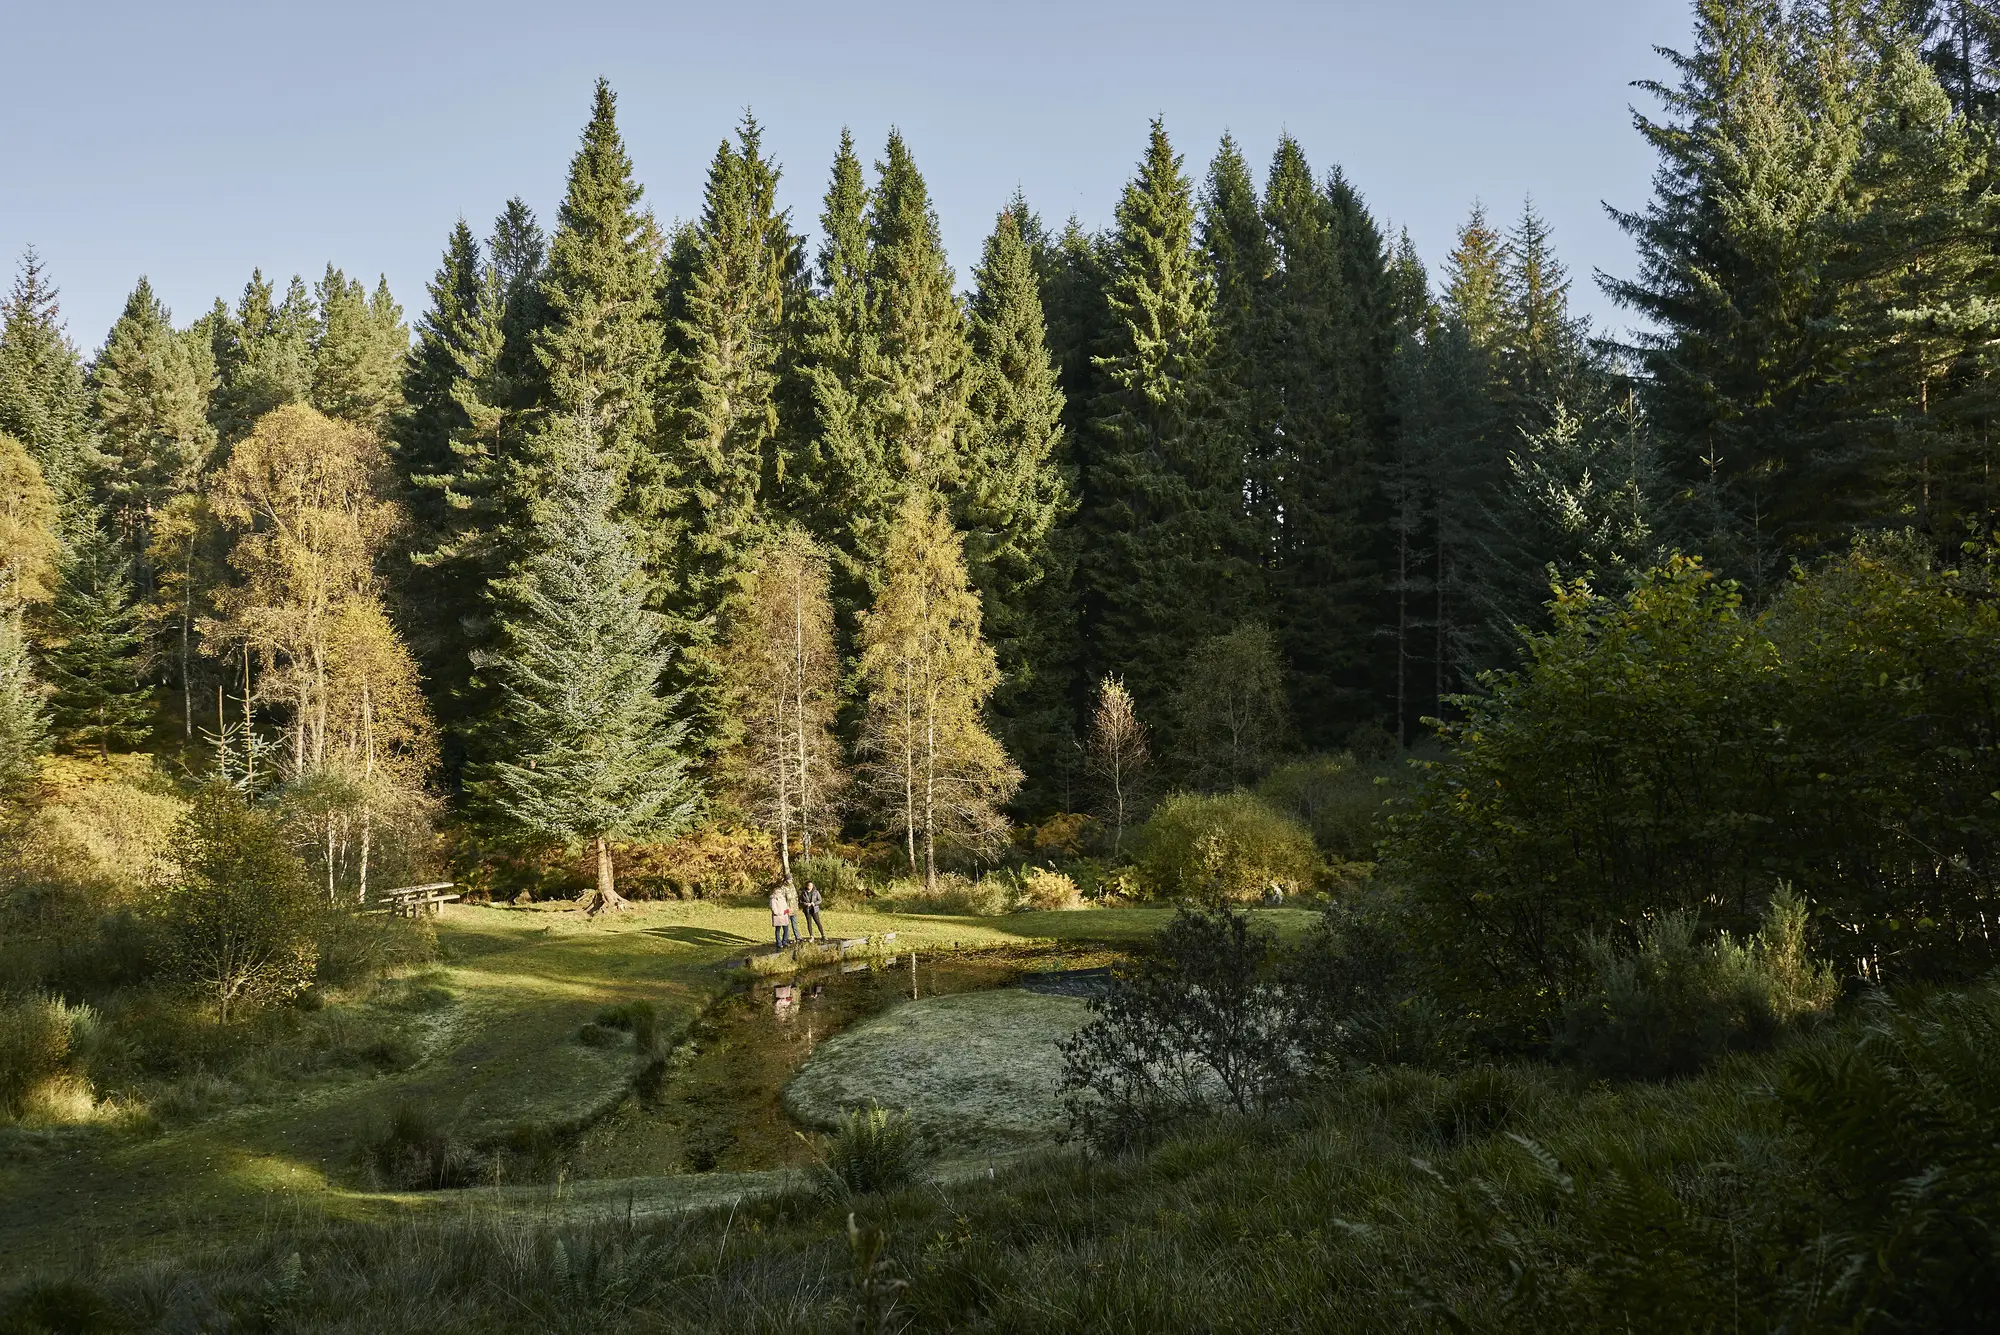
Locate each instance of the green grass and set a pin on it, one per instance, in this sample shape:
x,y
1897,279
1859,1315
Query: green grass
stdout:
x,y
977,1072
1350,1215
502,1057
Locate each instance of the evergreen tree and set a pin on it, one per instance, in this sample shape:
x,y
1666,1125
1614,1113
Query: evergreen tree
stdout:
x,y
1474,292
263,354
833,459
1074,272
43,403
721,407
1914,264
448,444
150,389
915,381
1754,159
584,749
1960,39
1015,497
1543,351
1154,507
93,653
598,346
1335,317
1250,332
358,347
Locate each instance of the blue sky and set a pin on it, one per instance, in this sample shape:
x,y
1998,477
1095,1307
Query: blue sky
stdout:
x,y
191,142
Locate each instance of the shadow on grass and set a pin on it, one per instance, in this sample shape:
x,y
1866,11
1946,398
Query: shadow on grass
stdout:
x,y
700,936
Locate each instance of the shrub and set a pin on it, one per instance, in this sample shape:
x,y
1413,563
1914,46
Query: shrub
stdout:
x,y
240,923
35,1039
1067,834
1045,889
704,864
953,894
1221,849
415,1153
1334,796
838,880
873,1149
1204,1022
1675,1004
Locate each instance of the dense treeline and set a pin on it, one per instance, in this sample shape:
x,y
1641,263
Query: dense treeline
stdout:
x,y
528,552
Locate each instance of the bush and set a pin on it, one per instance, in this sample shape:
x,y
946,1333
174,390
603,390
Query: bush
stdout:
x,y
953,894
240,923
1334,796
1205,1022
1223,849
1067,834
417,1154
1674,1005
873,1149
838,881
705,864
35,1039
1045,889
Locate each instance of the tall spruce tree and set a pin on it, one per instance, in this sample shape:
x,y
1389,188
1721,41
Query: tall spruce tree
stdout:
x,y
832,457
1249,332
1754,164
597,349
358,347
92,652
263,354
1154,507
150,391
1334,312
736,270
43,402
449,443
1015,496
582,748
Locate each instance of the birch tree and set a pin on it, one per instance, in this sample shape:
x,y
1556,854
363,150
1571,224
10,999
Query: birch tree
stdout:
x,y
928,674
784,680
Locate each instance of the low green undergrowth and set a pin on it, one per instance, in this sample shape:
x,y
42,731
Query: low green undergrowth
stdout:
x,y
1847,1181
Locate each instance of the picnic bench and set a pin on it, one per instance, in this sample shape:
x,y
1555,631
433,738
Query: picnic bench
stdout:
x,y
411,900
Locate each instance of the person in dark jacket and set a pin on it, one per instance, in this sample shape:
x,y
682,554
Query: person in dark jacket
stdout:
x,y
809,902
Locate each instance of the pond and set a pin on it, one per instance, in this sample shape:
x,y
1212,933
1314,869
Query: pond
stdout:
x,y
722,1105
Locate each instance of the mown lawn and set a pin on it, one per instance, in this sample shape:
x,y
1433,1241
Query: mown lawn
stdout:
x,y
501,1054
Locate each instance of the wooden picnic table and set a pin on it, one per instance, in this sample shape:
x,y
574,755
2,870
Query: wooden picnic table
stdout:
x,y
410,900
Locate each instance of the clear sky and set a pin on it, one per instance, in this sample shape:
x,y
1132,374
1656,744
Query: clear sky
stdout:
x,y
190,142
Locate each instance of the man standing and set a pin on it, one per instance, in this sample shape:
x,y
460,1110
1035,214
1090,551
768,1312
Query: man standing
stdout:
x,y
810,902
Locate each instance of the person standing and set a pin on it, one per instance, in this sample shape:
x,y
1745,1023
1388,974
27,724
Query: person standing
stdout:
x,y
781,914
809,903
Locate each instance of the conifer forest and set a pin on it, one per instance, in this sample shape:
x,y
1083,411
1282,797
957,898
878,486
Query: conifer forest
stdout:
x,y
1346,795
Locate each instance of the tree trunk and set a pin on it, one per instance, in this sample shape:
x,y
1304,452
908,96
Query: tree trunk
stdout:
x,y
605,898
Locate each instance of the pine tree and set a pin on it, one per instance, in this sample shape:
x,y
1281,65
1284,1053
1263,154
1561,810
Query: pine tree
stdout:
x,y
1474,292
584,749
832,458
448,441
1960,39
1913,264
1543,351
598,346
1015,497
150,388
93,652
263,355
1755,153
927,674
1155,568
43,403
915,383
358,347
721,409
1334,315
1249,333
